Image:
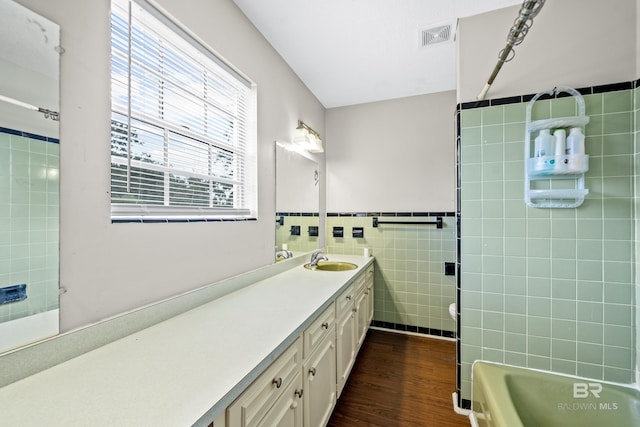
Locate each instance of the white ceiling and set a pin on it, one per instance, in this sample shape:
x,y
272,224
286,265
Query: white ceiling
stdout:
x,y
356,51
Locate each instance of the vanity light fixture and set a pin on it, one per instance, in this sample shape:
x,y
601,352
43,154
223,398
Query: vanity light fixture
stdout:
x,y
308,138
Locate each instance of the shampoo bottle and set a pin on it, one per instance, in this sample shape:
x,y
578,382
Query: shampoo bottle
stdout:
x,y
560,136
543,144
575,142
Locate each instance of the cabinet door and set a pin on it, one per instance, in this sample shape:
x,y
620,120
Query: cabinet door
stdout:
x,y
320,383
288,409
252,405
345,347
362,313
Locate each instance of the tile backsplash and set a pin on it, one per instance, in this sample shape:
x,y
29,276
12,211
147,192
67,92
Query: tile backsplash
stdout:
x,y
551,289
412,292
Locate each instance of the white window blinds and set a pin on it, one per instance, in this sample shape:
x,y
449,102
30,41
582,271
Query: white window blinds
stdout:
x,y
182,126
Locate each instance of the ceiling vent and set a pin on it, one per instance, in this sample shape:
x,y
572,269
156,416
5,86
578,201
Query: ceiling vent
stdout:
x,y
438,35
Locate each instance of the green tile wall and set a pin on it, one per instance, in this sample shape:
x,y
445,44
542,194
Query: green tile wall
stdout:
x,y
551,289
410,285
29,223
637,221
298,244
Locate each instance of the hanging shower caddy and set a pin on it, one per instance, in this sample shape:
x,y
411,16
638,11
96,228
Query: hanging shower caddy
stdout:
x,y
555,181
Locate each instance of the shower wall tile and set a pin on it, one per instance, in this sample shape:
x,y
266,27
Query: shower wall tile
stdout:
x,y
551,289
29,198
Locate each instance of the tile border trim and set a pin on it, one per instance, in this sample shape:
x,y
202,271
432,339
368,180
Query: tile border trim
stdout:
x,y
29,135
592,90
412,328
390,214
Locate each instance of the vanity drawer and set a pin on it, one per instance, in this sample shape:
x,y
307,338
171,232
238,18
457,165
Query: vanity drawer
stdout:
x,y
345,301
319,329
252,405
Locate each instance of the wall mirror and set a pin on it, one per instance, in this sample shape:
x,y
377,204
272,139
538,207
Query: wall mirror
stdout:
x,y
297,201
29,170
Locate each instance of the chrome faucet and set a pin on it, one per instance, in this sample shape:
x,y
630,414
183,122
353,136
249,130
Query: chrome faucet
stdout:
x,y
317,256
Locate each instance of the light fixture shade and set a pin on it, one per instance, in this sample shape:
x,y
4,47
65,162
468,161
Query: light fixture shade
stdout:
x,y
307,139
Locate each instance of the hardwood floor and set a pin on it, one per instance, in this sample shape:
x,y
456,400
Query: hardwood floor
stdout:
x,y
400,380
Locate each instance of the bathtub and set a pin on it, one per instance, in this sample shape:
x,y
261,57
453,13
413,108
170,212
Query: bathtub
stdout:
x,y
507,396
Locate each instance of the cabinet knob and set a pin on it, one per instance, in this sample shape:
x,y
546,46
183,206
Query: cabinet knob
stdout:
x,y
277,382
299,393
312,371
355,310
325,325
349,297
294,405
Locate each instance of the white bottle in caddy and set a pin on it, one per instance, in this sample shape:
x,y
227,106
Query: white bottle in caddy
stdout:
x,y
575,142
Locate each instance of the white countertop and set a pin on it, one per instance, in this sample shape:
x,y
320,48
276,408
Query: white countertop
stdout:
x,y
176,371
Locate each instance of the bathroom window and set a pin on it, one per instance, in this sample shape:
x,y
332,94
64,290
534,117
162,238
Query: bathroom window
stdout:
x,y
183,136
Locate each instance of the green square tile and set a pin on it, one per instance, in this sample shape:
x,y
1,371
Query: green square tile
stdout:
x,y
617,166
515,209
589,270
563,366
492,171
539,326
617,123
514,113
563,268
618,293
493,134
593,104
515,359
471,137
492,320
563,289
516,304
617,230
540,228
515,342
619,101
589,353
539,346
563,349
515,266
624,376
513,190
621,336
617,144
590,332
618,250
493,227
492,264
595,126
590,291
563,309
539,248
514,132
564,107
588,370
515,323
492,115
538,267
617,314
471,117
539,307
515,286
541,110
492,339
538,362
592,312
618,357
514,170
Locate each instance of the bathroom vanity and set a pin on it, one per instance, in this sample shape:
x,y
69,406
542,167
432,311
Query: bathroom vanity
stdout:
x,y
275,352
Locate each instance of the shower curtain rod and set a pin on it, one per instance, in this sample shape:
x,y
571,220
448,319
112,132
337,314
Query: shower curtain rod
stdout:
x,y
48,114
518,31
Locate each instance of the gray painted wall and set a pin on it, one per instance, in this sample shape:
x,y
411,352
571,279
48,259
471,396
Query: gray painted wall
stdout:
x,y
395,155
107,269
576,43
